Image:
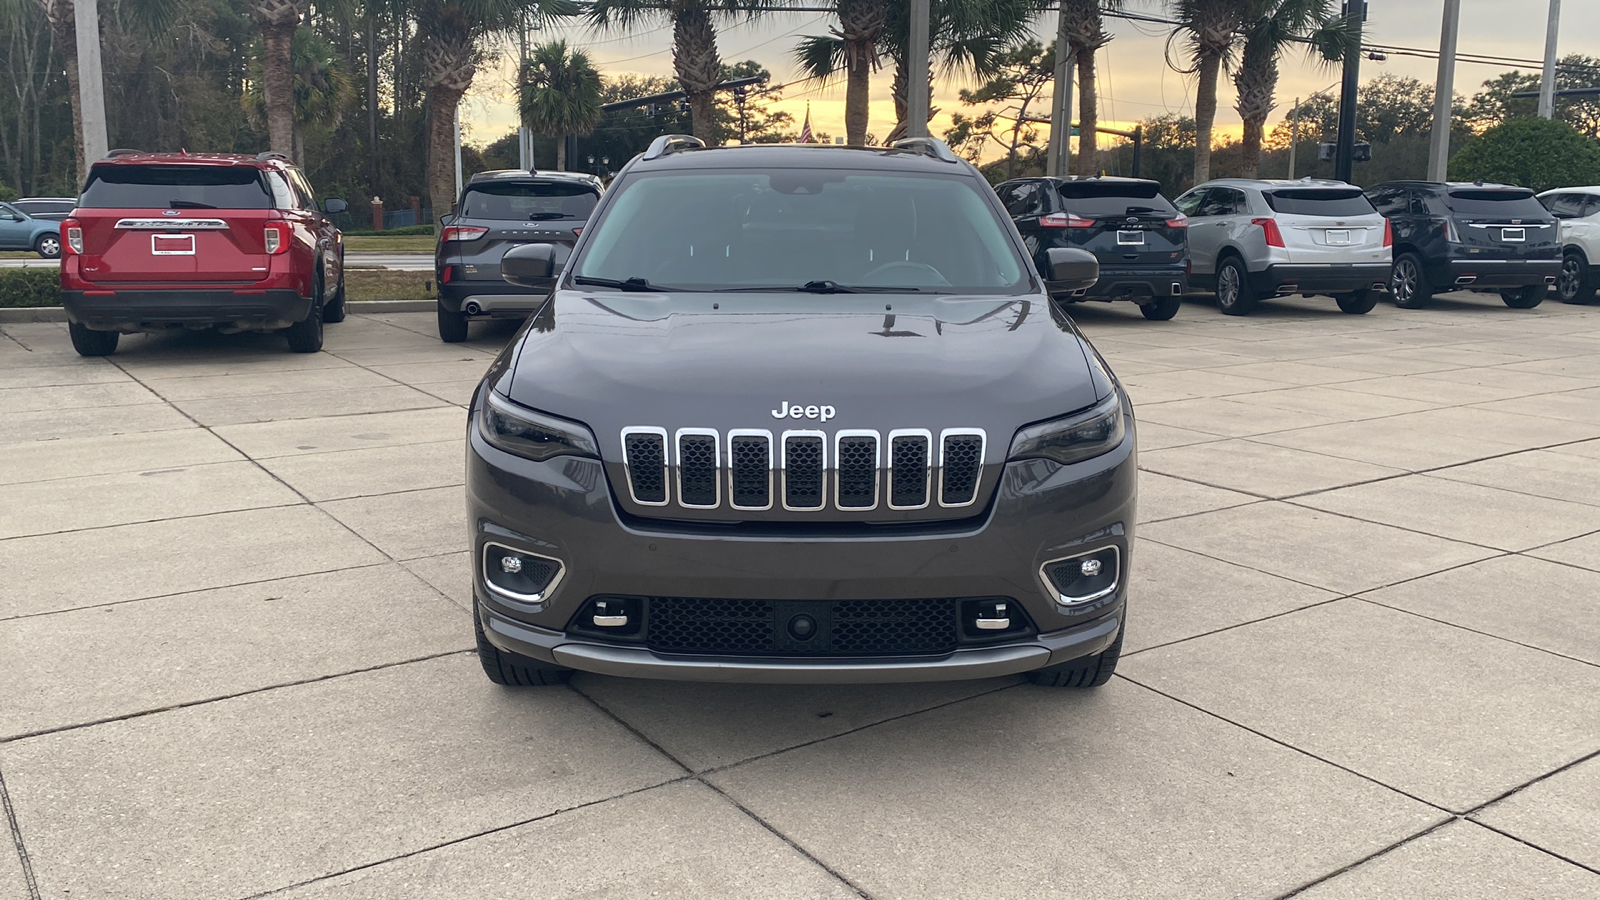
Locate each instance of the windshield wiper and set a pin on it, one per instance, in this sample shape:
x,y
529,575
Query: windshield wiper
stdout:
x,y
544,216
188,204
820,286
624,284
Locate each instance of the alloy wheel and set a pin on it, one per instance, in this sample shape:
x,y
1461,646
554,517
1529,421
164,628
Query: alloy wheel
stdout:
x,y
1228,286
1404,287
1571,277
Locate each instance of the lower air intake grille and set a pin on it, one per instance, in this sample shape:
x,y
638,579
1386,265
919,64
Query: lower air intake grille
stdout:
x,y
962,461
647,466
698,625
871,627
750,471
697,469
802,472
839,628
858,472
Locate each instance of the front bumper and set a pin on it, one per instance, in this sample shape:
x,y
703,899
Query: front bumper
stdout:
x,y
1472,274
1322,278
162,308
563,510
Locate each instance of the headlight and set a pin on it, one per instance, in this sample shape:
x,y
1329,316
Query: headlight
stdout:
x,y
529,434
1074,438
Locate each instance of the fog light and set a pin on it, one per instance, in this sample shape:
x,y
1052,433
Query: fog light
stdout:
x,y
1089,568
517,575
511,565
1084,578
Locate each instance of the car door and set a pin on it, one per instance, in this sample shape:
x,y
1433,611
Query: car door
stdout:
x,y
1205,230
326,234
1023,202
16,229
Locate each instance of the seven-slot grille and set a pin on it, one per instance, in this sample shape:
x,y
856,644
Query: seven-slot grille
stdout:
x,y
752,469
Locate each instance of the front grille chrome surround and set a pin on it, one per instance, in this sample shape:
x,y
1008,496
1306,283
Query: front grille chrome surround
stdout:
x,y
704,480
638,443
804,464
953,472
743,442
914,478
849,475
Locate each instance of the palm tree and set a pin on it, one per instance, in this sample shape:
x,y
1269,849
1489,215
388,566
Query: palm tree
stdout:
x,y
851,45
559,94
278,21
451,30
1082,23
694,47
322,87
1273,25
1210,29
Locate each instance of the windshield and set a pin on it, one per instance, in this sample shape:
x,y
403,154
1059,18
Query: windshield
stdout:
x,y
1521,204
748,229
1092,199
522,201
1321,202
175,187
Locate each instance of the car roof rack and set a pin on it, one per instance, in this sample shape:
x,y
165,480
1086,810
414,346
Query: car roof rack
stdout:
x,y
121,151
926,146
273,154
673,143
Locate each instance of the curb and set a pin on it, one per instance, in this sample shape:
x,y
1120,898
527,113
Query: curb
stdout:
x,y
364,307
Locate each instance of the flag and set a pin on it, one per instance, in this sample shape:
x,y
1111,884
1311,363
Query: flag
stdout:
x,y
805,129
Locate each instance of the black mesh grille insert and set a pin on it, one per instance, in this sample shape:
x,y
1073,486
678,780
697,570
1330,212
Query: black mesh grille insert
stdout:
x,y
894,626
700,625
858,472
751,467
697,470
908,471
963,460
647,466
840,628
802,472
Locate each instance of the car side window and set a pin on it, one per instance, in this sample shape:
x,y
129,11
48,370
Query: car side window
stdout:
x,y
308,197
1591,205
1389,201
1417,203
1189,204
1565,206
1023,199
282,194
1221,202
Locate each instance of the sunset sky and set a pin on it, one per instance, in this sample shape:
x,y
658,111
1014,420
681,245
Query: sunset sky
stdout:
x,y
1134,80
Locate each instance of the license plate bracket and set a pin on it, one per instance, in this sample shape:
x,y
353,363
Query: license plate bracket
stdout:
x,y
1337,235
1514,235
1130,238
171,245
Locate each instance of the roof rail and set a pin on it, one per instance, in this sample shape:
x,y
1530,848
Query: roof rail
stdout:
x,y
121,151
273,154
927,146
673,143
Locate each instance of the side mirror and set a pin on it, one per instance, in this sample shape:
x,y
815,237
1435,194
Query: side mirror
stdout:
x,y
1067,270
529,265
333,206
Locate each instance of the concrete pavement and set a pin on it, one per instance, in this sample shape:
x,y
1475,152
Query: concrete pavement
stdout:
x,y
235,646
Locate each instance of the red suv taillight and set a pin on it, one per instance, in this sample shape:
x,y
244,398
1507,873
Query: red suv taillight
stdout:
x,y
1388,234
1064,220
463,233
1269,227
276,237
72,236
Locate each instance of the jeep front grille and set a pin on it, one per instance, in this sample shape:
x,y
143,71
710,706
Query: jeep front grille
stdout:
x,y
851,470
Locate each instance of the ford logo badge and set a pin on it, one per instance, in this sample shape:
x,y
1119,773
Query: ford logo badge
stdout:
x,y
169,212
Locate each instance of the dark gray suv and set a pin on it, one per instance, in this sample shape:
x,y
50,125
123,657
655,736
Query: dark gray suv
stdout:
x,y
800,414
498,210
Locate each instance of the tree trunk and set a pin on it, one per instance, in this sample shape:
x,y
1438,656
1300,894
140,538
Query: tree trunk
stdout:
x,y
561,154
373,189
1251,162
1088,161
1256,82
443,101
1205,113
63,32
277,85
858,84
699,68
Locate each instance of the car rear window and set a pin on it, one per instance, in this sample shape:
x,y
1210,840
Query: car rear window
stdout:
x,y
1521,204
1320,202
524,200
175,187
1090,198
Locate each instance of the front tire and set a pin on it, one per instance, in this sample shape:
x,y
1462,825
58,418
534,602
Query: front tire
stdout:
x,y
48,246
1577,281
1408,283
89,342
1524,298
452,326
507,668
305,336
1357,303
1234,295
1162,309
1088,672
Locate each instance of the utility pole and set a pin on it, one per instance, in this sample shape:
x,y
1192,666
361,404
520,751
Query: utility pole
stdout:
x,y
1059,155
1294,134
91,83
1444,93
524,138
1344,154
1547,86
458,159
918,91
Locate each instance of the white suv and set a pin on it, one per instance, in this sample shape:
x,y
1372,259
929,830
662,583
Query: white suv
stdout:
x,y
1252,239
1578,211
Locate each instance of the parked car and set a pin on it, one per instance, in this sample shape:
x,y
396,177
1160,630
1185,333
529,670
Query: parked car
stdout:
x,y
55,208
1137,235
1491,238
1251,239
1577,212
800,414
497,210
21,231
200,240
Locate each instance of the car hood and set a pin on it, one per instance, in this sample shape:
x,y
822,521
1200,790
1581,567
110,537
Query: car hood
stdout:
x,y
615,360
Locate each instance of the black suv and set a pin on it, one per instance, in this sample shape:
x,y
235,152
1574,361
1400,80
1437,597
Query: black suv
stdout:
x,y
1459,236
800,414
1138,236
497,210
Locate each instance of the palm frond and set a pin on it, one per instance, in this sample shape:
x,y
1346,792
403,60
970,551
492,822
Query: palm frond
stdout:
x,y
820,57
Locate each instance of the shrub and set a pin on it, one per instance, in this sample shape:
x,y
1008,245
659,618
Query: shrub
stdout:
x,y
1536,153
30,287
7,194
408,229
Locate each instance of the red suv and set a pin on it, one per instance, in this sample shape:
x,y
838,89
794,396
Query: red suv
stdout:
x,y
186,240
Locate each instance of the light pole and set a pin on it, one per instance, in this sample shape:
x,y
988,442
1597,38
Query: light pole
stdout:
x,y
1547,86
1345,151
1059,154
918,90
91,83
1444,93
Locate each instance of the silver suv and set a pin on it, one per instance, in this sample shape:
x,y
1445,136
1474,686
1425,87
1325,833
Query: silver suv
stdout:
x,y
1251,239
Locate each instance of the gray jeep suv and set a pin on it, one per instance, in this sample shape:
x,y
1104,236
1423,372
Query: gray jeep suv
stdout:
x,y
800,414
